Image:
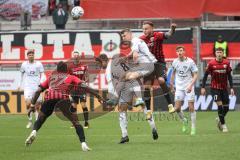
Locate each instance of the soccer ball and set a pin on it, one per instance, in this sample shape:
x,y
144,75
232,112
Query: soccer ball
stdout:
x,y
77,12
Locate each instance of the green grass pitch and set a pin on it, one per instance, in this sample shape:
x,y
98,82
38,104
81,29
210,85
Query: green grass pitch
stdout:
x,y
56,141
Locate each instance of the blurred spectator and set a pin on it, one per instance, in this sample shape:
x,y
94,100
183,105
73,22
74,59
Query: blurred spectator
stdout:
x,y
222,44
52,6
75,3
65,4
237,69
236,18
60,17
26,14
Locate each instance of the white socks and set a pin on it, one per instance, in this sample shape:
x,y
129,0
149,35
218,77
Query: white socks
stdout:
x,y
151,122
123,123
193,119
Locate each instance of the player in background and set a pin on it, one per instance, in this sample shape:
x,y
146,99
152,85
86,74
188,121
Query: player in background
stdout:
x,y
154,42
59,85
220,71
76,68
33,71
185,73
122,92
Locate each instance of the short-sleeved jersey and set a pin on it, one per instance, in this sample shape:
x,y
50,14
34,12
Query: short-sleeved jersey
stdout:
x,y
154,43
145,56
78,70
59,85
219,73
32,73
183,72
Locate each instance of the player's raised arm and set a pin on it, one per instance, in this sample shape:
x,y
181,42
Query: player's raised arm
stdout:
x,y
171,31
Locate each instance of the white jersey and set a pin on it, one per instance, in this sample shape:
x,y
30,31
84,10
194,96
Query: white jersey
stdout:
x,y
32,73
184,70
145,56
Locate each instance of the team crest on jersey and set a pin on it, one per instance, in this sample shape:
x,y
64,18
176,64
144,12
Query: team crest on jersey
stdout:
x,y
185,67
224,66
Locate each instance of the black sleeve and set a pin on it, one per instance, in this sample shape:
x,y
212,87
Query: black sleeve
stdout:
x,y
230,79
204,80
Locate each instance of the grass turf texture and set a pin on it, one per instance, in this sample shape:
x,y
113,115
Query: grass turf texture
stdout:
x,y
56,141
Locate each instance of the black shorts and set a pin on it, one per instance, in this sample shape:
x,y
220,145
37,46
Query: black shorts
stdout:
x,y
159,71
220,95
76,96
48,106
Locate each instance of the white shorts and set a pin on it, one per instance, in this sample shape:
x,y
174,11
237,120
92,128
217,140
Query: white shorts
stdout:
x,y
129,90
143,69
29,93
180,95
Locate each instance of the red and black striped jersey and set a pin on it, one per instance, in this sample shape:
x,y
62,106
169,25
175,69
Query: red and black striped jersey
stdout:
x,y
154,43
78,70
59,85
219,73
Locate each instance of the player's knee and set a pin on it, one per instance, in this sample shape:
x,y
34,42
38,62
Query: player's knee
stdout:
x,y
219,103
123,107
161,80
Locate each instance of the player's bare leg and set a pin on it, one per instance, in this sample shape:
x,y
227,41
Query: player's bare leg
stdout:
x,y
123,122
166,92
132,75
37,109
29,113
193,117
37,125
181,116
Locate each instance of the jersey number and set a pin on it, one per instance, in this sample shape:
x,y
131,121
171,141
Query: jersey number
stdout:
x,y
124,67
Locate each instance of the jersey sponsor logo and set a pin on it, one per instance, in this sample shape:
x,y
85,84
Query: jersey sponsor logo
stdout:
x,y
78,72
220,71
57,80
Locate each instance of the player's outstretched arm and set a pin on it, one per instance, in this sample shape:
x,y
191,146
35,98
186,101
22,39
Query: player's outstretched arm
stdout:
x,y
92,91
171,31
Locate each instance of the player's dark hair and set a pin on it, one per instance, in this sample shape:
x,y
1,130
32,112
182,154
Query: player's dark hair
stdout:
x,y
101,58
148,22
179,47
219,49
125,30
30,51
62,67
